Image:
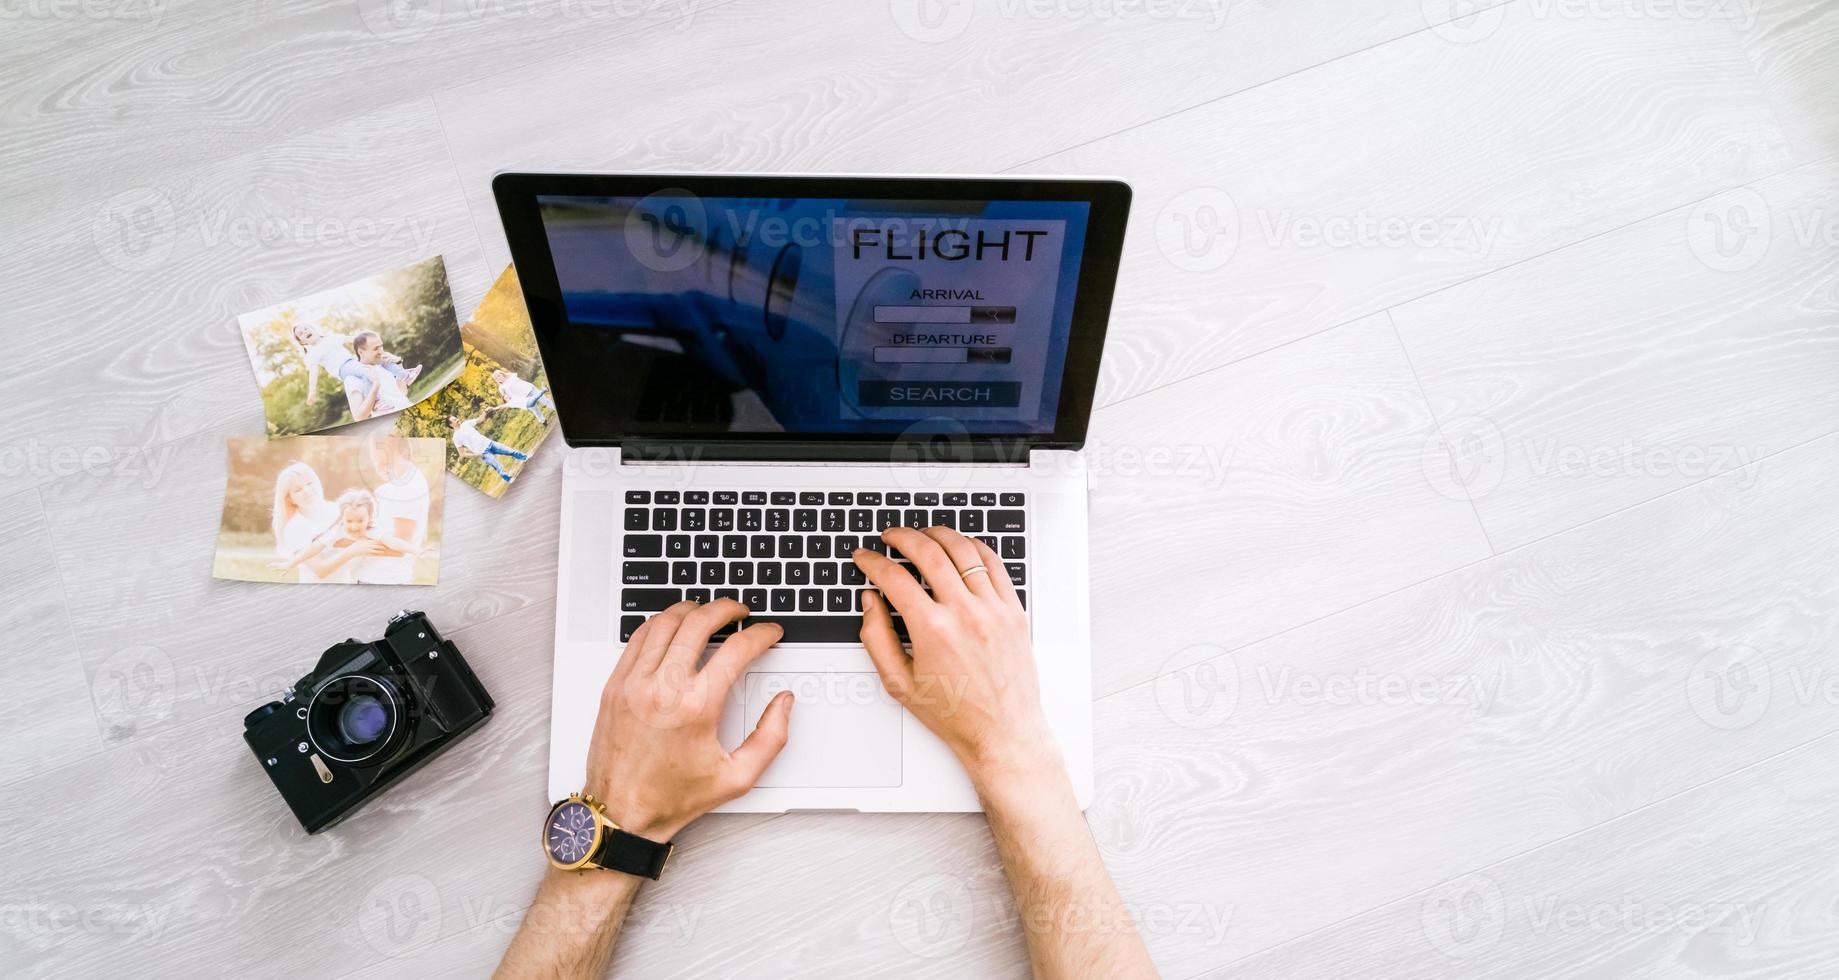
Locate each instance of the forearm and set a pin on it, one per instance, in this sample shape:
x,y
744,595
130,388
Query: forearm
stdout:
x,y
1070,912
570,929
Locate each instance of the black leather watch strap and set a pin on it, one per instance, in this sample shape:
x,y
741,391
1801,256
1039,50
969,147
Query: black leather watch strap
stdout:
x,y
632,854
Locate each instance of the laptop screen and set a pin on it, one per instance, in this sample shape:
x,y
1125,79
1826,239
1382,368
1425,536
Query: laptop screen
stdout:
x,y
819,316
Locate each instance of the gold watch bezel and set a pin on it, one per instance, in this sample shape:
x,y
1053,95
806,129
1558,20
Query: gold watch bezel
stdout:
x,y
601,824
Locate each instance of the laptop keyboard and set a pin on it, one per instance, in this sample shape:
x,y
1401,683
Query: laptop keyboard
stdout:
x,y
785,553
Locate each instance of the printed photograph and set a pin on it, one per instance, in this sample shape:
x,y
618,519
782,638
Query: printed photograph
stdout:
x,y
360,351
498,410
340,510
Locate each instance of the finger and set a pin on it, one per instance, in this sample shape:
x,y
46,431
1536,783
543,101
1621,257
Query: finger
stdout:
x,y
762,745
932,560
895,583
662,626
962,552
739,650
622,668
999,576
693,636
883,646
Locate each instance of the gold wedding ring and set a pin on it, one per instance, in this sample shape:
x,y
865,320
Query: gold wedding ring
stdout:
x,y
974,569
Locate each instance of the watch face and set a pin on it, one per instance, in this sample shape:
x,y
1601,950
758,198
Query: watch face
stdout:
x,y
570,832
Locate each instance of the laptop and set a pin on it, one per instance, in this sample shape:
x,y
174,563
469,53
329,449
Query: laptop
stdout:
x,y
757,374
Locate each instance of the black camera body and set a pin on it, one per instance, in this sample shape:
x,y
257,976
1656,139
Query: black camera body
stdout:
x,y
368,715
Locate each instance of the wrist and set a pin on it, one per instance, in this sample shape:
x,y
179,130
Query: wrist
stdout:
x,y
1027,757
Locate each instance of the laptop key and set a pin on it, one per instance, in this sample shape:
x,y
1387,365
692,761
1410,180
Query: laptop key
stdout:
x,y
988,540
1005,521
696,496
696,595
804,519
970,521
823,629
957,499
754,599
712,574
840,498
811,498
778,519
648,600
899,499
945,518
925,500
784,600
753,498
797,573
839,599
769,573
861,520
728,497
810,600
1012,500
638,496
824,573
644,545
637,519
645,573
983,500
740,573
790,546
722,519
762,546
1014,548
707,546
1018,573
628,625
816,546
832,520
914,518
677,546
1022,594
694,518
846,544
784,498
885,519
670,497
853,575
664,519
734,594
734,546
868,499
683,573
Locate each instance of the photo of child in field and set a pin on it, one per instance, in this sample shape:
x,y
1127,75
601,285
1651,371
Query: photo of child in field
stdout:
x,y
360,351
498,410
331,510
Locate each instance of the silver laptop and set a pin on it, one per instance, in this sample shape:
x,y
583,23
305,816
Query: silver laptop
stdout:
x,y
758,374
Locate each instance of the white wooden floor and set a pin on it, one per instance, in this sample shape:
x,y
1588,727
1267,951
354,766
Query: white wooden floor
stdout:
x,y
1466,568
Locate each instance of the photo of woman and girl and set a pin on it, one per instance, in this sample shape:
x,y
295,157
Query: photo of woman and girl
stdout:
x,y
381,529
383,344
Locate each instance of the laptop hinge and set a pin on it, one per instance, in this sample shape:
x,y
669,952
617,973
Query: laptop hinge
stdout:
x,y
935,451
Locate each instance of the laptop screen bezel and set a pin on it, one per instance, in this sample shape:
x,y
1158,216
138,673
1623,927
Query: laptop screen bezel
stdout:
x,y
517,197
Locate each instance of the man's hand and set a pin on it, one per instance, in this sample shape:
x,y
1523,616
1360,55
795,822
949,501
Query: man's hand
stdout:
x,y
654,761
971,679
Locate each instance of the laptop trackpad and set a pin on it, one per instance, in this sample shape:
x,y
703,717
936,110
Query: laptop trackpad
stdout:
x,y
845,728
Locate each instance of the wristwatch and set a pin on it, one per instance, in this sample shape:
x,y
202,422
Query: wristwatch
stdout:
x,y
579,834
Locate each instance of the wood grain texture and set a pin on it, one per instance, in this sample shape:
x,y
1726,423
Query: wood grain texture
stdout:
x,y
1731,879
1795,47
1350,762
1326,197
1251,499
132,302
905,86
1605,374
1333,677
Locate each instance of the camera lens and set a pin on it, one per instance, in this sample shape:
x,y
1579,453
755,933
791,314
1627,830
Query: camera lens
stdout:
x,y
362,719
355,718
